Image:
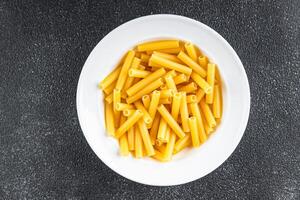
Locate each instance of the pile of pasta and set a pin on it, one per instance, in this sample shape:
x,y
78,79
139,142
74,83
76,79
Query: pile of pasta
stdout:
x,y
163,97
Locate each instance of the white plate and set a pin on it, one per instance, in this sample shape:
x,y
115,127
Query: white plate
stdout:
x,y
188,165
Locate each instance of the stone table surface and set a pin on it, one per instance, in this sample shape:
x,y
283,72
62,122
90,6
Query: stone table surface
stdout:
x,y
43,46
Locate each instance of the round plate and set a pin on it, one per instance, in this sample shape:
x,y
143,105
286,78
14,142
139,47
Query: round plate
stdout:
x,y
187,165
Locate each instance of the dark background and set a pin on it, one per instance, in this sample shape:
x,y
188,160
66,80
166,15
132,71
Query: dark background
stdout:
x,y
43,46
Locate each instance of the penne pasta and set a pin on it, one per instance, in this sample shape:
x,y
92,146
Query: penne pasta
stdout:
x,y
138,73
146,138
154,129
152,46
166,93
109,89
130,135
145,82
154,103
130,80
170,121
138,143
168,56
211,81
170,83
124,151
162,130
128,123
182,143
146,90
202,83
203,61
191,51
116,98
113,76
217,102
192,64
196,112
194,131
170,64
123,106
124,71
181,78
146,101
146,116
208,114
184,113
191,87
109,119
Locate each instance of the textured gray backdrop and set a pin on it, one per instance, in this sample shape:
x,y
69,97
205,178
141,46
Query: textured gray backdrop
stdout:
x,y
43,46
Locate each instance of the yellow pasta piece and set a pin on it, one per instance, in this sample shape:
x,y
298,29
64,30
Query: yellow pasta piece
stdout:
x,y
170,83
208,114
194,131
146,90
128,112
202,83
170,64
184,113
146,138
117,115
182,143
191,87
192,64
166,93
181,78
146,116
124,71
123,106
130,135
200,94
113,76
217,102
138,143
170,121
170,147
153,104
203,61
168,56
167,100
109,89
157,45
146,101
210,80
129,123
196,112
207,129
146,81
159,156
162,130
190,49
116,98
191,99
109,119
124,151
138,73
145,58
130,80
171,51
154,129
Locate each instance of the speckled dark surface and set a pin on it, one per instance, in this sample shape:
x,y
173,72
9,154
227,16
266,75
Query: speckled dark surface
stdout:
x,y
43,46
